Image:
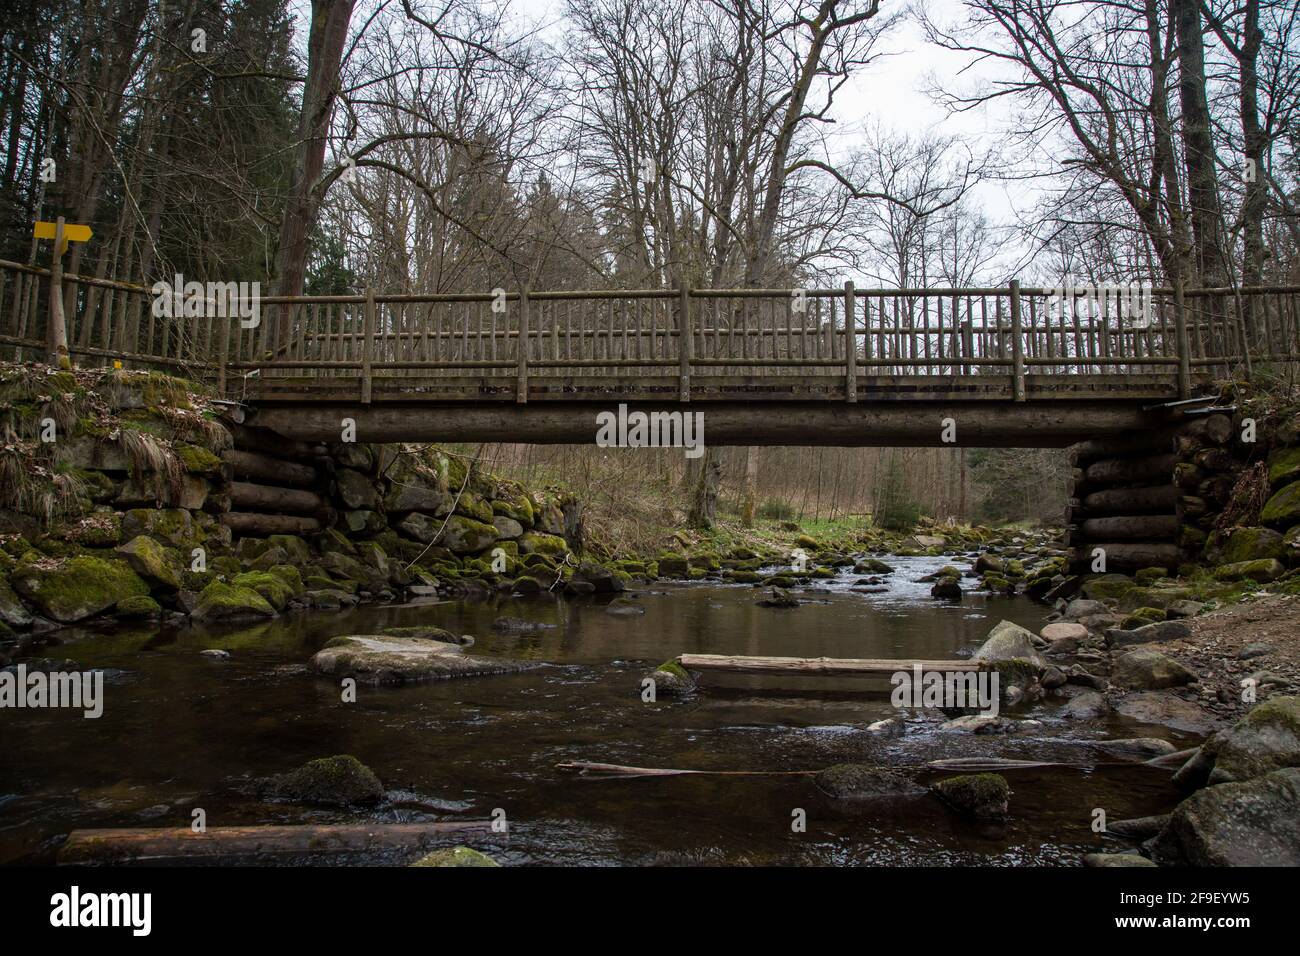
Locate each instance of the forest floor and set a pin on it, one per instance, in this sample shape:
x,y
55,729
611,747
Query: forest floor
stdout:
x,y
1258,637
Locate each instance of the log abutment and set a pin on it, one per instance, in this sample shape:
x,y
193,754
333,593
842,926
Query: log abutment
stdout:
x,y
1149,498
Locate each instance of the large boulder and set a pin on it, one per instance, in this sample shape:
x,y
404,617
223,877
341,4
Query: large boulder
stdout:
x,y
414,493
540,542
604,580
72,589
507,528
1284,466
274,590
1252,823
419,526
1147,669
390,659
1008,641
1266,739
1261,571
338,781
160,566
222,603
1248,544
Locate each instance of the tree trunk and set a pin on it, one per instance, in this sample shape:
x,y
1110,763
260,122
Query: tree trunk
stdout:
x,y
1199,156
329,33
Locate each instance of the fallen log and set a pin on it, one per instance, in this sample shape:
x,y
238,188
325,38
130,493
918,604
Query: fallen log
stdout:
x,y
254,497
618,770
818,666
144,844
1116,471
251,464
985,764
261,525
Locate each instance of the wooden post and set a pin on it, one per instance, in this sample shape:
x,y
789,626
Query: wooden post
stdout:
x,y
1182,341
850,345
1017,345
367,346
57,329
521,391
685,334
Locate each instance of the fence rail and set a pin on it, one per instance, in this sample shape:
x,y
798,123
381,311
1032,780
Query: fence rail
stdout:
x,y
837,342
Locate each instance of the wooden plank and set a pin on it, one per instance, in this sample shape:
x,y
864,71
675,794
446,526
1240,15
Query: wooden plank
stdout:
x,y
141,844
819,666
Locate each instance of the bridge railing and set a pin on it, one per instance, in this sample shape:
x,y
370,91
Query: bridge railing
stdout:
x,y
515,340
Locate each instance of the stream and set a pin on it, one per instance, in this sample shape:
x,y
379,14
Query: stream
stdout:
x,y
181,731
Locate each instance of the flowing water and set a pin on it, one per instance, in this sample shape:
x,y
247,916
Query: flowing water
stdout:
x,y
181,731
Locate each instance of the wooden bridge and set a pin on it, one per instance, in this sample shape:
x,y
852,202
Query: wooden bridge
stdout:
x,y
840,366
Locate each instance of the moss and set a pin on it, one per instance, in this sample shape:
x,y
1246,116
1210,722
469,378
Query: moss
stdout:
x,y
456,856
1284,466
196,460
537,542
674,668
1283,509
1106,586
1148,576
673,565
1014,672
979,795
705,561
341,780
139,606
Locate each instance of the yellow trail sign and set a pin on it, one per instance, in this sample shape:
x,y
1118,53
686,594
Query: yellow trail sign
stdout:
x,y
71,233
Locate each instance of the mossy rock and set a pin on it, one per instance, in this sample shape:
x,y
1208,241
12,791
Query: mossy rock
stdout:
x,y
72,589
221,602
673,565
780,581
273,588
456,856
196,460
742,577
672,680
515,504
808,543
298,550
981,796
173,527
473,506
290,576
337,781
1106,587
140,606
1283,509
853,781
159,565
100,530
1249,544
99,487
468,536
1143,616
1284,466
1149,576
705,561
538,542
1261,571
872,566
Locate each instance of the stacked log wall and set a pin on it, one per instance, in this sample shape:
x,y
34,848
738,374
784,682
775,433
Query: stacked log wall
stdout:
x,y
1151,498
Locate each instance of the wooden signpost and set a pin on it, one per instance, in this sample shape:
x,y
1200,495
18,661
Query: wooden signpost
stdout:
x,y
57,330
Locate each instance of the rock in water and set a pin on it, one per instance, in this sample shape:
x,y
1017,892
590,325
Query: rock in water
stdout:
x,y
390,659
1266,739
982,796
337,781
456,856
779,598
1253,823
862,781
672,680
1007,642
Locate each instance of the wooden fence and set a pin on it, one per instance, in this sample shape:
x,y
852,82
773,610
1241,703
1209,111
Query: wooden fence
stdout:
x,y
513,341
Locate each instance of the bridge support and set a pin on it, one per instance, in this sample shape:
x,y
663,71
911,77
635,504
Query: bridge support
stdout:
x,y
991,424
